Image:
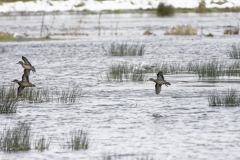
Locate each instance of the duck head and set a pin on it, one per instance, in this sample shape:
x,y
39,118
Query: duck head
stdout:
x,y
15,80
20,62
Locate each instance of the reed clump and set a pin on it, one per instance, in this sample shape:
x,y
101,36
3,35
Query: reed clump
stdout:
x,y
234,52
229,98
70,95
125,72
182,30
17,138
123,49
165,10
42,144
77,139
8,100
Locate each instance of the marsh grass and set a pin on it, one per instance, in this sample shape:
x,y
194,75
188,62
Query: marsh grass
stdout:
x,y
134,156
209,69
234,52
16,139
70,95
8,96
123,49
76,140
229,98
37,95
8,100
182,30
125,72
42,144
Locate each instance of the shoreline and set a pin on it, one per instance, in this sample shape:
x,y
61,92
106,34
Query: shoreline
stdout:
x,y
122,11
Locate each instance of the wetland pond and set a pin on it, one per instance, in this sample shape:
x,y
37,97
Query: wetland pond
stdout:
x,y
125,120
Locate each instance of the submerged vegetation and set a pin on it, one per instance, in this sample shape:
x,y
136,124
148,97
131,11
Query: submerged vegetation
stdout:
x,y
229,98
124,49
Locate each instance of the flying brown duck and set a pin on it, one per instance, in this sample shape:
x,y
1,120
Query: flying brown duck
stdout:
x,y
22,84
26,65
159,81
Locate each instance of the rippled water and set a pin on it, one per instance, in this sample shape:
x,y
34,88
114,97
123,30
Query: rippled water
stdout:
x,y
126,119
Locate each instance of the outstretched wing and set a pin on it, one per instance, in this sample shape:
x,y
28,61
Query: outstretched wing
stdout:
x,y
26,75
20,90
160,75
26,60
158,88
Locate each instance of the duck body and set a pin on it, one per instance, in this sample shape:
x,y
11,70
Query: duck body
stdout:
x,y
26,65
159,82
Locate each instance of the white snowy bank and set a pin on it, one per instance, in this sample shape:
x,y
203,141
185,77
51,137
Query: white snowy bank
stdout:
x,y
94,5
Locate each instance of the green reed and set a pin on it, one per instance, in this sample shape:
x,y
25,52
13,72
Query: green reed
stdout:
x,y
37,95
17,138
125,72
8,100
229,98
76,140
209,69
42,144
124,49
234,52
70,95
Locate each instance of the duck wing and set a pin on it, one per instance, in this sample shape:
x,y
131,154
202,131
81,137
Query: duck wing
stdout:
x,y
25,78
26,60
160,76
158,88
26,74
20,90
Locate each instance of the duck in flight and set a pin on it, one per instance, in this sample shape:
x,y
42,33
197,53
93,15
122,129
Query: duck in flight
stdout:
x,y
22,84
26,65
25,77
159,82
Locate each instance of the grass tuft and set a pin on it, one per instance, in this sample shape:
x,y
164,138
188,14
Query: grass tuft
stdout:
x,y
77,140
123,49
182,30
17,138
42,144
124,72
229,98
8,100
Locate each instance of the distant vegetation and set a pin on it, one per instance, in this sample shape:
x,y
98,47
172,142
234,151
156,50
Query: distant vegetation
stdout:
x,y
182,30
165,10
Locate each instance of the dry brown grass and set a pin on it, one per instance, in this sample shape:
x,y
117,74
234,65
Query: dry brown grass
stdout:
x,y
6,34
148,31
231,31
182,30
